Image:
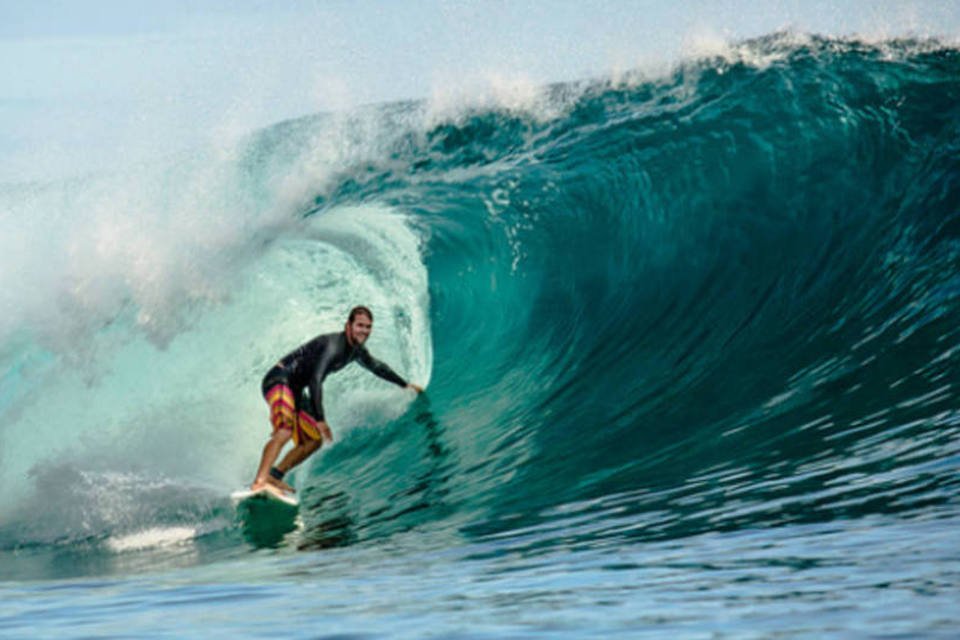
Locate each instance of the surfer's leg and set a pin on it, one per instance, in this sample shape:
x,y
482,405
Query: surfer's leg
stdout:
x,y
309,436
280,398
298,454
271,451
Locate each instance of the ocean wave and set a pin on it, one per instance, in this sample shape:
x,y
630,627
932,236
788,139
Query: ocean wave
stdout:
x,y
648,306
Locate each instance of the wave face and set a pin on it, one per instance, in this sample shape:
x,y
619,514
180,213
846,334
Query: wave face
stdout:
x,y
726,297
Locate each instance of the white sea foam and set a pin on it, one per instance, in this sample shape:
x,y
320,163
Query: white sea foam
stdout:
x,y
189,406
152,538
153,300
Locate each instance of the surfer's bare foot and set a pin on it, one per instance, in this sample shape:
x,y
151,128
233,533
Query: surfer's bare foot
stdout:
x,y
257,485
280,484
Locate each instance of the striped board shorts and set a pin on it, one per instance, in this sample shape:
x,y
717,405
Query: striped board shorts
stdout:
x,y
284,414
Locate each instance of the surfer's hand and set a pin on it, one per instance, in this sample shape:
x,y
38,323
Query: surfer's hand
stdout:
x,y
325,434
415,387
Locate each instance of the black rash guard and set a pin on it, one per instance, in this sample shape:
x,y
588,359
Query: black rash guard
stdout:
x,y
308,365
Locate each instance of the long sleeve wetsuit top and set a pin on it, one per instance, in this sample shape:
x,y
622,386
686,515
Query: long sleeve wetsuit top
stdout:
x,y
312,362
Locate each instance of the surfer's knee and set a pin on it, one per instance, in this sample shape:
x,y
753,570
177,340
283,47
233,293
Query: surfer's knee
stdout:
x,y
282,436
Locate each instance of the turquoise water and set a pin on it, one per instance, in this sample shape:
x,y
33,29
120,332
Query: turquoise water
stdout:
x,y
691,345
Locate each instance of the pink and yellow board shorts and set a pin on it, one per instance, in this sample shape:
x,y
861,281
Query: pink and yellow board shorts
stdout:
x,y
283,414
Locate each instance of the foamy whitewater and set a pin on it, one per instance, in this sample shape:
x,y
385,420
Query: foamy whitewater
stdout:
x,y
691,340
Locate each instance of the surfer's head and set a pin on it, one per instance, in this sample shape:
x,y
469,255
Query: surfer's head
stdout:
x,y
359,325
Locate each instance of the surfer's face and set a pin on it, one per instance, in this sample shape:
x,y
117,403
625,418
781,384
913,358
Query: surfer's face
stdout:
x,y
359,330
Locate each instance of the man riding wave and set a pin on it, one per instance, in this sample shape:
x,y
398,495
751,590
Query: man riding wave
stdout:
x,y
293,390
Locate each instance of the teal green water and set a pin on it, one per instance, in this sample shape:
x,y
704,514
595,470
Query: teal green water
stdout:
x,y
691,342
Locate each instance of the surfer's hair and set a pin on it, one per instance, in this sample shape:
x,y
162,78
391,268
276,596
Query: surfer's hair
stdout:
x,y
359,310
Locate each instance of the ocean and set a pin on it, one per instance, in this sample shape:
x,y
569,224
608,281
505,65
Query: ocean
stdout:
x,y
691,342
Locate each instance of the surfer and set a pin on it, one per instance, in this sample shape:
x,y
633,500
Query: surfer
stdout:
x,y
295,415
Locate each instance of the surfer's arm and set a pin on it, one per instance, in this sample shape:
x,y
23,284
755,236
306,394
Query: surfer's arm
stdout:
x,y
320,371
381,370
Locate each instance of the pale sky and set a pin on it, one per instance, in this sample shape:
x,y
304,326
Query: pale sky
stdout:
x,y
84,81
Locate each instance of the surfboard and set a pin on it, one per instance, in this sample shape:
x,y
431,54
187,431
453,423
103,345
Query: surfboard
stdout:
x,y
268,495
266,515
267,499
